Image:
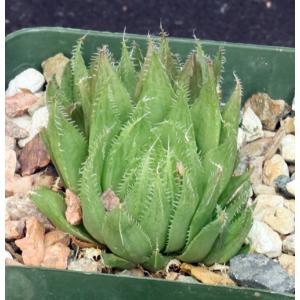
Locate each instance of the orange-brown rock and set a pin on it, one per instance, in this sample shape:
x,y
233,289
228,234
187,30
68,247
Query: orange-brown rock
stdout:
x,y
32,246
13,130
19,103
18,185
73,212
110,200
56,256
56,236
10,164
14,229
268,110
33,156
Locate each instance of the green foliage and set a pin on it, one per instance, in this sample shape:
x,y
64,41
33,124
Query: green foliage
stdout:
x,y
153,132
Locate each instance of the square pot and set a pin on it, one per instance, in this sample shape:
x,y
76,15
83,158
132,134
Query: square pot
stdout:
x,y
261,68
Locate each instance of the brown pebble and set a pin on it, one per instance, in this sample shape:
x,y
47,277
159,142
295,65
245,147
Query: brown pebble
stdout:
x,y
32,245
73,212
19,103
33,156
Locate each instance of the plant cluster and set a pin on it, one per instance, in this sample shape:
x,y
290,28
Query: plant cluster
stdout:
x,y
150,151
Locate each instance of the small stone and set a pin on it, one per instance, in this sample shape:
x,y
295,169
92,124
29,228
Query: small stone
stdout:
x,y
18,104
54,65
73,212
132,272
252,125
288,263
268,133
10,143
14,229
242,166
174,276
273,168
280,134
288,124
14,131
10,164
269,111
256,148
83,265
187,279
20,207
288,244
39,121
110,200
29,79
33,156
258,271
267,205
18,185
56,256
241,138
263,189
264,239
291,187
56,236
40,102
290,204
288,148
32,245
256,164
282,221
280,186
20,126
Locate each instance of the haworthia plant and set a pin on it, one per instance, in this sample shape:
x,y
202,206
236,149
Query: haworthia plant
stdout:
x,y
153,135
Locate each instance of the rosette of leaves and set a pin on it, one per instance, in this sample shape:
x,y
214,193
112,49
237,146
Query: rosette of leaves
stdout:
x,y
150,151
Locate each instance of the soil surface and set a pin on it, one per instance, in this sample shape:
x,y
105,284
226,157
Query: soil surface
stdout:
x,y
269,22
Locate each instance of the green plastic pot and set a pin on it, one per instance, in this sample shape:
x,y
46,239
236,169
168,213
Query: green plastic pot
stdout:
x,y
261,69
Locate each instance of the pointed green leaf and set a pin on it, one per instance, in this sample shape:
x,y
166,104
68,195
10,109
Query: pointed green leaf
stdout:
x,y
156,262
81,85
125,238
53,206
206,115
113,261
233,188
66,86
231,240
67,146
167,57
231,115
202,243
126,70
159,100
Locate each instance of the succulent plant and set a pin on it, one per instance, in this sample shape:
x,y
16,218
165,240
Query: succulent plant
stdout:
x,y
150,151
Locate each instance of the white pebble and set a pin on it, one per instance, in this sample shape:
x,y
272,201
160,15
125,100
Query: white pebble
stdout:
x,y
288,148
241,138
252,125
30,79
265,240
290,186
39,121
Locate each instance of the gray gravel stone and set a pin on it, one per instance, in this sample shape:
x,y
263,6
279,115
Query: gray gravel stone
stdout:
x,y
259,271
280,185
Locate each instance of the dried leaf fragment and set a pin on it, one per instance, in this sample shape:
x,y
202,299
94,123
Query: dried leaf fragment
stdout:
x,y
204,275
